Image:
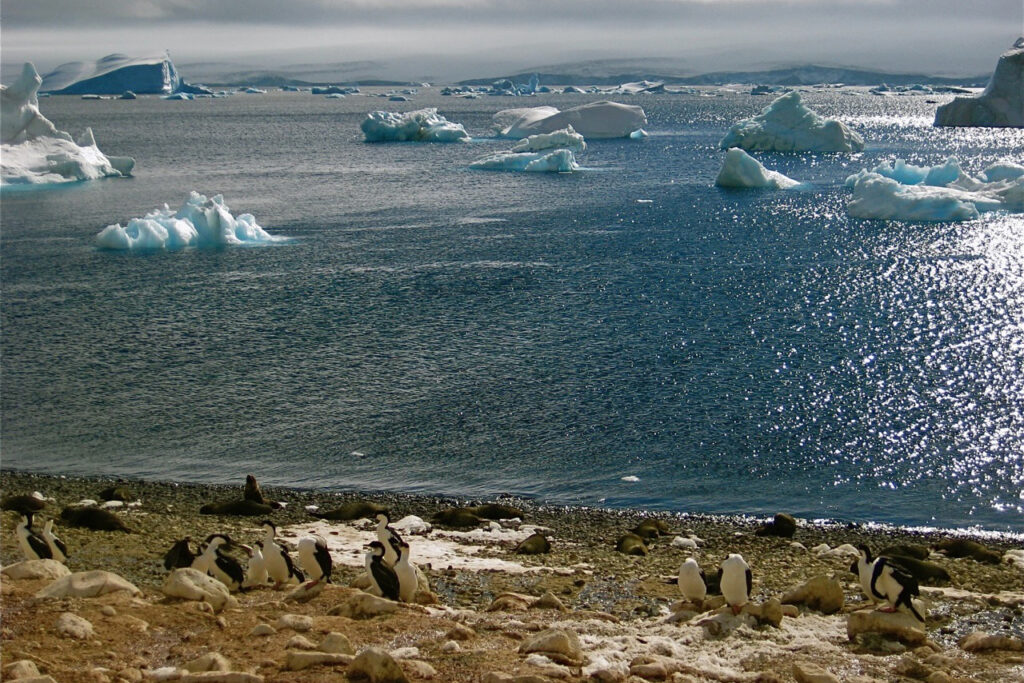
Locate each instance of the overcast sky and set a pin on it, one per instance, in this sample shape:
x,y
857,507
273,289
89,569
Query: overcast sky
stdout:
x,y
948,37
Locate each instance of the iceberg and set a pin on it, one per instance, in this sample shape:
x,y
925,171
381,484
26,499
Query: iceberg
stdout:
x,y
200,222
34,152
116,73
541,153
787,125
1000,105
901,191
742,170
422,125
595,120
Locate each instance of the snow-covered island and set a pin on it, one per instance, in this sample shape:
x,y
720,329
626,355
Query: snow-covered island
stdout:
x,y
902,191
788,125
546,152
200,222
742,170
34,152
594,120
422,125
1000,105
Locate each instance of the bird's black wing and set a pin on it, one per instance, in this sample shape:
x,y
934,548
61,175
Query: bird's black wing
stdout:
x,y
292,569
750,582
323,558
875,573
386,578
60,545
180,555
39,546
232,568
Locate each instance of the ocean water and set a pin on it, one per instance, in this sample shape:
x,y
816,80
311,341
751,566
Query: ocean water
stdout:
x,y
433,329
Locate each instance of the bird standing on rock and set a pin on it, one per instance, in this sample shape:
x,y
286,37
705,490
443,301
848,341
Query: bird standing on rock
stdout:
x,y
58,550
736,582
388,538
220,566
279,563
692,582
405,570
315,559
382,576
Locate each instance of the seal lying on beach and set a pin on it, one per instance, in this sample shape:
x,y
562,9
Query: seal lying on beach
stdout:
x,y
355,510
651,528
631,544
460,518
535,544
94,518
963,547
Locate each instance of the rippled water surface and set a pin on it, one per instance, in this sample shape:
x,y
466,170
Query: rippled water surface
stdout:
x,y
434,329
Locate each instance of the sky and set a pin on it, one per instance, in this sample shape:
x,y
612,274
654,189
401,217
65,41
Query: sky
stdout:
x,y
479,38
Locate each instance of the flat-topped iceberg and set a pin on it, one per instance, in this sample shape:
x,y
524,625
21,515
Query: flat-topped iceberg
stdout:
x,y
116,73
542,153
1001,104
742,170
902,191
787,125
34,152
595,120
200,222
422,125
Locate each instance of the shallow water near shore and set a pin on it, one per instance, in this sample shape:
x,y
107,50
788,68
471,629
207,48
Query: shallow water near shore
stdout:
x,y
431,329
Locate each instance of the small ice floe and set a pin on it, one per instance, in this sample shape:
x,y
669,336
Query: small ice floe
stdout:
x,y
631,478
638,134
357,454
645,201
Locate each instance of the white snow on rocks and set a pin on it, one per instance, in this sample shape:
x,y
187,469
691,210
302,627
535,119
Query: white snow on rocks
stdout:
x,y
1001,104
787,125
422,125
901,191
34,152
742,170
594,120
200,222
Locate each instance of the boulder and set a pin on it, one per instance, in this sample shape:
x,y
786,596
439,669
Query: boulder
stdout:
x,y
376,666
211,661
805,672
821,593
192,584
296,622
364,606
23,668
899,625
561,645
979,641
73,626
297,660
36,569
88,585
337,643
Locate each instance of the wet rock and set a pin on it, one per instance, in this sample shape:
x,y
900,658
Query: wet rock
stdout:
x,y
805,672
979,641
376,666
211,661
821,593
899,625
88,585
782,526
337,644
297,660
73,626
192,584
558,644
35,569
364,606
295,622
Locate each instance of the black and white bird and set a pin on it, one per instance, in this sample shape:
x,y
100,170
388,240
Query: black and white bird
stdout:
x,y
405,570
280,567
32,543
256,572
221,566
315,559
887,582
692,582
382,576
180,555
58,550
735,581
387,538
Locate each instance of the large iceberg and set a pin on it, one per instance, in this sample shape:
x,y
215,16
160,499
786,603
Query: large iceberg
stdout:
x,y
787,125
1001,104
113,75
902,191
33,151
422,125
595,120
200,222
542,153
742,170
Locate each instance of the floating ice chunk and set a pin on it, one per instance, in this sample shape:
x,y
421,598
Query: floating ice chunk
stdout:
x,y
631,478
33,151
524,116
742,170
422,125
1001,104
594,120
555,161
787,125
200,222
114,74
567,138
904,192
638,134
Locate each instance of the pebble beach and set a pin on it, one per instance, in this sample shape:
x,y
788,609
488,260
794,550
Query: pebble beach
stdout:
x,y
583,611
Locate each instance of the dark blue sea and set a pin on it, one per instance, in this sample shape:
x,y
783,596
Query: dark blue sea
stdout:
x,y
434,329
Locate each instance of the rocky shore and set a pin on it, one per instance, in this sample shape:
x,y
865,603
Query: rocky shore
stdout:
x,y
582,611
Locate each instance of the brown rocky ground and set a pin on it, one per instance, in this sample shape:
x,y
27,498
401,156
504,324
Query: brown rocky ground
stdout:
x,y
617,604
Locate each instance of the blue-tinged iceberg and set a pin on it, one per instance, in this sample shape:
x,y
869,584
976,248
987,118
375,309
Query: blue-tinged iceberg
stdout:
x,y
742,170
787,125
594,120
113,75
200,222
542,153
1001,105
34,152
422,125
902,191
